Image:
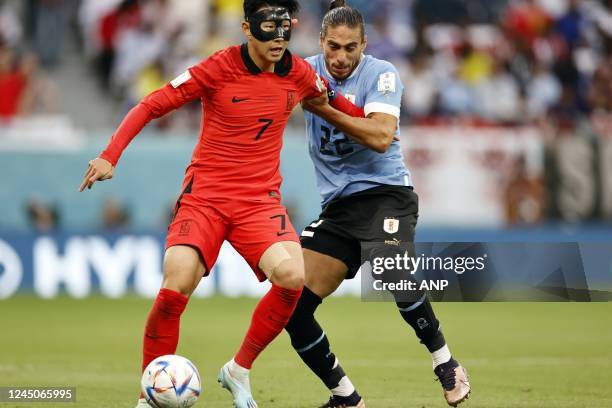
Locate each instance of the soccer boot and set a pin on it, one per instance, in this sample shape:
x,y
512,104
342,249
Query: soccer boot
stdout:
x,y
142,403
334,403
240,389
454,381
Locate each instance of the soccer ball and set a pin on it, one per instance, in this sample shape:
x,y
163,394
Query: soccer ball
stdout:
x,y
171,381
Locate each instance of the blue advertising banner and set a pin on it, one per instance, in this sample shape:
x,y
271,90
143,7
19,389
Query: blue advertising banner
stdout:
x,y
113,265
116,264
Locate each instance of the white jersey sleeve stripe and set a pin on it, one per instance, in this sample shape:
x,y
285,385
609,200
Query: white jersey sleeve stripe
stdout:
x,y
379,107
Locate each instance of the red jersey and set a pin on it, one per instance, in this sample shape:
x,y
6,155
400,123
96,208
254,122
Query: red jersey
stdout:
x,y
244,114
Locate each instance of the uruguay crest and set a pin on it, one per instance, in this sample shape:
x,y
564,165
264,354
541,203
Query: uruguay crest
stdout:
x,y
391,225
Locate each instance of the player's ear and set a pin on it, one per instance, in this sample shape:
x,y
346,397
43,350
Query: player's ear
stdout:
x,y
365,43
321,39
246,29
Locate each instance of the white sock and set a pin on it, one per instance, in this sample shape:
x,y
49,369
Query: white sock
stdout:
x,y
441,356
239,371
344,388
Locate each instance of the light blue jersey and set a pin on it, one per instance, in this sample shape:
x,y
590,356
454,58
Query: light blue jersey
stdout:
x,y
342,166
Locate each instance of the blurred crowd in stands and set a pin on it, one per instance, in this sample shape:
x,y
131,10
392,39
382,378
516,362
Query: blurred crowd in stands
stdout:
x,y
484,63
536,59
25,88
478,61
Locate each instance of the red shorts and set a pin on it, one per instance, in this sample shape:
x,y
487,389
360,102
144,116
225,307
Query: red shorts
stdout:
x,y
251,225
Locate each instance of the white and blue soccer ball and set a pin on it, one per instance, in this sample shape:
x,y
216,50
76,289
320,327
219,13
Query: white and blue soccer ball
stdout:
x,y
171,381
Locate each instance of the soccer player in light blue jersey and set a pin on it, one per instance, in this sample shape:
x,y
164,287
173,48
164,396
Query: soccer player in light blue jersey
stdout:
x,y
367,197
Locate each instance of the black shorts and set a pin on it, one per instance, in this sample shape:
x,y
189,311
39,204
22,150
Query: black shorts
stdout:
x,y
380,214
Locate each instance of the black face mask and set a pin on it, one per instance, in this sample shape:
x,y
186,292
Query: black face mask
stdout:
x,y
276,15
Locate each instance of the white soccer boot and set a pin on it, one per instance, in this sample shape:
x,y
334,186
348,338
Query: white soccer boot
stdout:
x,y
235,379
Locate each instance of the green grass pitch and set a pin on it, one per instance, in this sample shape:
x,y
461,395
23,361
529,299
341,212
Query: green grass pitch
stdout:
x,y
536,355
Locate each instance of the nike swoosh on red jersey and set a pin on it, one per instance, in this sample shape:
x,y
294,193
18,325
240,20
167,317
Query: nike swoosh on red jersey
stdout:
x,y
235,99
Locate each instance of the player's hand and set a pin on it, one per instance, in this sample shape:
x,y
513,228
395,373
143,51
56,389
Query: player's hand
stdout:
x,y
322,84
315,105
320,100
97,170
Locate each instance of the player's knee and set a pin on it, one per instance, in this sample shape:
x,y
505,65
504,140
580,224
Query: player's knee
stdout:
x,y
289,274
303,322
184,290
178,283
183,270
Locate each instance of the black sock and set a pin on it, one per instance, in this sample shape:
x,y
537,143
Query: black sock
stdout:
x,y
414,306
351,400
312,345
421,317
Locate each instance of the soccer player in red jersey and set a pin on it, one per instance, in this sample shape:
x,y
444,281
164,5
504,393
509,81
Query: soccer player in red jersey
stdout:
x,y
231,188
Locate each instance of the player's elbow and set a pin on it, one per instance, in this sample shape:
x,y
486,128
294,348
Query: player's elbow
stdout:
x,y
156,104
383,141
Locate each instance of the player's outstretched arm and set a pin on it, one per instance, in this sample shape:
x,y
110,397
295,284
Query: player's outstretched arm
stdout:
x,y
153,106
337,100
102,167
376,132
